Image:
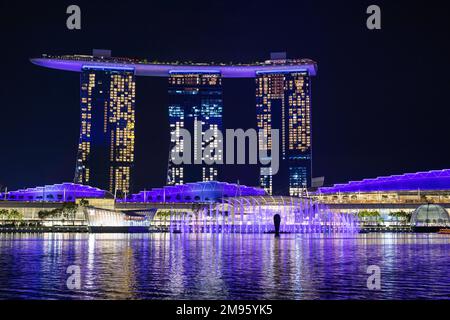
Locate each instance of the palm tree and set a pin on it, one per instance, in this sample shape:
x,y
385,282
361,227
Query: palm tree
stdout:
x,y
84,203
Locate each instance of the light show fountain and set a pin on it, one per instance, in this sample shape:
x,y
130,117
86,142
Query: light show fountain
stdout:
x,y
220,207
255,215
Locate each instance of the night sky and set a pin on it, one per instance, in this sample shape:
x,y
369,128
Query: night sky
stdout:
x,y
380,100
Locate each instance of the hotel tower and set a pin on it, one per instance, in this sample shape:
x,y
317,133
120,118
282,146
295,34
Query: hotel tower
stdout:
x,y
106,146
283,102
194,99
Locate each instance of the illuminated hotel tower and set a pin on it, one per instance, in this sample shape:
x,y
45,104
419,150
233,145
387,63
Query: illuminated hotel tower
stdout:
x,y
194,97
106,146
283,102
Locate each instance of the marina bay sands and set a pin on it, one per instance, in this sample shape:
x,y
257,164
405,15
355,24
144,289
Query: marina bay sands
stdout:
x,y
108,100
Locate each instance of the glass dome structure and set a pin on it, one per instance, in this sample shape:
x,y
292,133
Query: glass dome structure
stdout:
x,y
430,215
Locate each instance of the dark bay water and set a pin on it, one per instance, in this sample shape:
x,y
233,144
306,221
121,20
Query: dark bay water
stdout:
x,y
203,266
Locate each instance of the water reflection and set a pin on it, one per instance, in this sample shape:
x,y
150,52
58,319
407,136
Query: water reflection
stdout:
x,y
217,266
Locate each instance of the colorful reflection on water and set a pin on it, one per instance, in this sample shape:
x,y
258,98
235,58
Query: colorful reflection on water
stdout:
x,y
224,266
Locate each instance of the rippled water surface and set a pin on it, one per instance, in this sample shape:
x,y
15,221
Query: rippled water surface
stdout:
x,y
202,266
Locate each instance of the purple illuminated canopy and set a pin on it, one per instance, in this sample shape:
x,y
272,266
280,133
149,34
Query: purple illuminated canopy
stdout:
x,y
429,180
54,193
211,191
76,63
191,192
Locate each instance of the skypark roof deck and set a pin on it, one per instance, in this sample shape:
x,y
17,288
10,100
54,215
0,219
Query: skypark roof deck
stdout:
x,y
141,67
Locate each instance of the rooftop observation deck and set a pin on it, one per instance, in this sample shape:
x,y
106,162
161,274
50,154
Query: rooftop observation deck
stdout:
x,y
143,67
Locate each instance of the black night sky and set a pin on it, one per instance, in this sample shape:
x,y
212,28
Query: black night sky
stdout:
x,y
380,100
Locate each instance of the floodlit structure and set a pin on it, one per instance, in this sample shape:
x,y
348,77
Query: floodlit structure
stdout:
x,y
430,216
392,198
195,99
254,214
219,207
202,207
143,67
202,192
283,102
421,187
428,180
106,146
102,220
64,192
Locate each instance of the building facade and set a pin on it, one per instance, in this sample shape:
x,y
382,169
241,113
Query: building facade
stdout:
x,y
106,145
409,188
388,200
195,104
283,102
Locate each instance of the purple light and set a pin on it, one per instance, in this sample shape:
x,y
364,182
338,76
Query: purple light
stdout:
x,y
431,180
56,193
177,71
101,67
195,192
285,70
163,70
